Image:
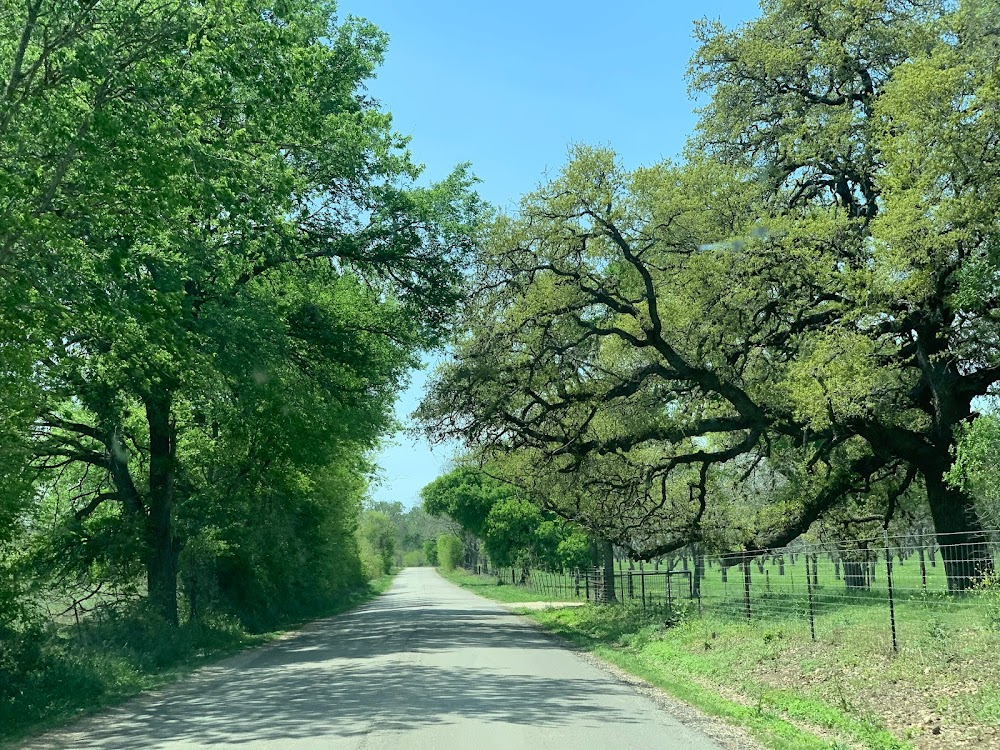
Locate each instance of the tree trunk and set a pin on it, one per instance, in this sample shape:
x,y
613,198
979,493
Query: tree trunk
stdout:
x,y
609,572
855,574
161,554
959,533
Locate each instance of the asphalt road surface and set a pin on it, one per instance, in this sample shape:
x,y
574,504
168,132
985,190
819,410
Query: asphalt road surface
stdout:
x,y
426,666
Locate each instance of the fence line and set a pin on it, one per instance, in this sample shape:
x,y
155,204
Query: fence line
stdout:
x,y
896,584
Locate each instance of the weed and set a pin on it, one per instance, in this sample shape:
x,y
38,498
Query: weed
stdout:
x,y
988,590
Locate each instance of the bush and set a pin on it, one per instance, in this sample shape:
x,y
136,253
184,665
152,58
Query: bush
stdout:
x,y
449,551
372,563
413,559
47,672
431,551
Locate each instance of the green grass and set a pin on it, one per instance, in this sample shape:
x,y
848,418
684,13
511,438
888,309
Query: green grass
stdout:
x,y
941,690
639,643
71,671
489,587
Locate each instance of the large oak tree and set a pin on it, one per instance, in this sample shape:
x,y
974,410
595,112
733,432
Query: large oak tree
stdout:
x,y
806,309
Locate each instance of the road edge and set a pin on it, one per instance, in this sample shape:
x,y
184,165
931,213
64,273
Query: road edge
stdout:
x,y
729,735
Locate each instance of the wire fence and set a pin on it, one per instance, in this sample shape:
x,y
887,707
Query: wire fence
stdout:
x,y
913,585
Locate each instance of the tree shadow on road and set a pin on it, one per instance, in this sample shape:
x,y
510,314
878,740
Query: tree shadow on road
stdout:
x,y
370,669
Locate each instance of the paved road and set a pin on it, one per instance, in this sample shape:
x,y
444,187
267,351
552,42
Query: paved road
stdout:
x,y
428,666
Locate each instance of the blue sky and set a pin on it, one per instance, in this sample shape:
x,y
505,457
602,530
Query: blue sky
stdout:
x,y
509,87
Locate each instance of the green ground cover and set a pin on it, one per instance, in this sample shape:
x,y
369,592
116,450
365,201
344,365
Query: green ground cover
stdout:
x,y
81,669
845,689
489,587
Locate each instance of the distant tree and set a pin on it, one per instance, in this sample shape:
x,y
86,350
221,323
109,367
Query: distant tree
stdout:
x,y
430,551
512,533
466,495
378,535
977,466
449,551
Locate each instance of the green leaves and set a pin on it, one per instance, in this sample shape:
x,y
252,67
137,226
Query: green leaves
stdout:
x,y
729,349
213,257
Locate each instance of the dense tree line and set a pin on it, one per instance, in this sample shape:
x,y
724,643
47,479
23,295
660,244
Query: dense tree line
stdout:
x,y
399,538
797,323
215,271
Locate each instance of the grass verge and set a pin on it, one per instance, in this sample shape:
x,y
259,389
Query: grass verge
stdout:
x,y
75,671
491,588
643,645
847,689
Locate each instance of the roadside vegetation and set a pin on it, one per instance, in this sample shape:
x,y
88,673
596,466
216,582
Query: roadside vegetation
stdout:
x,y
940,691
218,265
71,670
847,689
492,588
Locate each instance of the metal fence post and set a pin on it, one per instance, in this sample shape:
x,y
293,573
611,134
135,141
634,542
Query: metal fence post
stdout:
x,y
812,613
746,588
892,602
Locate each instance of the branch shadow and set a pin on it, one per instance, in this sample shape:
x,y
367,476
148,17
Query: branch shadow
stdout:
x,y
395,665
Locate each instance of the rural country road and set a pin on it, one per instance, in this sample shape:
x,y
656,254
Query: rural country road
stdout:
x,y
427,666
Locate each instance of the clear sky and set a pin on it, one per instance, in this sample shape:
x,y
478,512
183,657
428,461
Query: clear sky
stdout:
x,y
509,87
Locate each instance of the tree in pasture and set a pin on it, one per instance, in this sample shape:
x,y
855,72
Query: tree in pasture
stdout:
x,y
808,304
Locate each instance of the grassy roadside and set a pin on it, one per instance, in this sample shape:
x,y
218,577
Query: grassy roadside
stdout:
x,y
491,588
846,690
711,681
86,671
605,632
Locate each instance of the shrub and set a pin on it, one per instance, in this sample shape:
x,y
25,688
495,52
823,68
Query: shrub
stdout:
x,y
449,551
431,551
413,559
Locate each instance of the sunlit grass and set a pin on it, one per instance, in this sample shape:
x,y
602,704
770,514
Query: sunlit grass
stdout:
x,y
941,690
493,588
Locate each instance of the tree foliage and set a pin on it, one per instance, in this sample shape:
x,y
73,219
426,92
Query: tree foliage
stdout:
x,y
449,551
513,530
215,271
802,313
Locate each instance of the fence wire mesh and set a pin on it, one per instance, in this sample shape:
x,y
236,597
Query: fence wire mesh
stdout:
x,y
896,585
